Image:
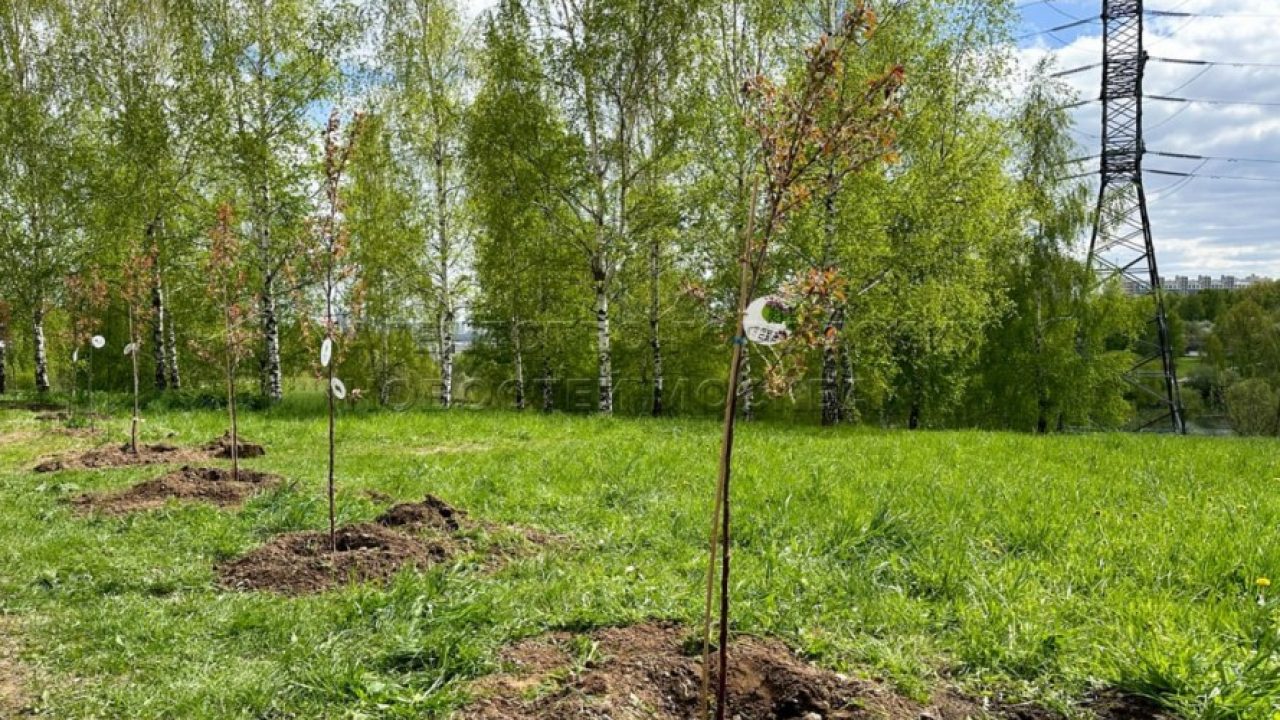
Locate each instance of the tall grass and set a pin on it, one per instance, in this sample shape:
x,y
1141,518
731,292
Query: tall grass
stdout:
x,y
1038,567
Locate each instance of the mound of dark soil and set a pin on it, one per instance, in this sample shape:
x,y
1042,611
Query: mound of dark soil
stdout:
x,y
221,448
416,534
653,672
300,563
194,484
645,671
154,454
432,513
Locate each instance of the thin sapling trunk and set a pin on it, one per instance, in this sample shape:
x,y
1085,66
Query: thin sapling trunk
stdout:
x,y
226,277
133,357
231,393
798,127
334,244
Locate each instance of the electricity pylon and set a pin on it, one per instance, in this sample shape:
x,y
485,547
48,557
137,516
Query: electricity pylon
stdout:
x,y
1121,248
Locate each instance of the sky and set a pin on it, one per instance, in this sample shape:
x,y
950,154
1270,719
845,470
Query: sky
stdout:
x,y
1202,225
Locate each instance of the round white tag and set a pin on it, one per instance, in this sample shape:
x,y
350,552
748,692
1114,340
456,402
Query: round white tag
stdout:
x,y
326,352
130,349
98,342
760,321
339,390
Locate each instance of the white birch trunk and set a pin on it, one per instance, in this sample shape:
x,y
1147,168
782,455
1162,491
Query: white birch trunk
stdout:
x,y
519,364
847,380
548,403
446,357
157,333
655,338
604,349
41,352
445,253
271,384
171,359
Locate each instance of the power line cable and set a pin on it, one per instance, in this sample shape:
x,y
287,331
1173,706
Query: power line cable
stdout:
x,y
1177,14
1194,78
1169,98
1177,185
1220,158
1059,28
1173,173
1212,63
1052,5
1074,70
1169,119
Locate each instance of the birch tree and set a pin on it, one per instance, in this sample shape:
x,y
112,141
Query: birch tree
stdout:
x,y
386,246
428,57
741,42
41,170
155,110
516,154
608,60
272,61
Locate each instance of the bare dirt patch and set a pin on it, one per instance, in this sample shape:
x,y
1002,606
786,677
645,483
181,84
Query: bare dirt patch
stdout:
x,y
432,513
190,484
301,563
221,448
1116,705
153,454
122,456
646,672
653,671
436,515
18,437
417,534
15,701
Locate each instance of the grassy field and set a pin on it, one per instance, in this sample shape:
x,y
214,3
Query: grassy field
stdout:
x,y
1040,567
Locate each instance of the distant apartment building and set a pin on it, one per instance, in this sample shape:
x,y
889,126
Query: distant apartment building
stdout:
x,y
1184,285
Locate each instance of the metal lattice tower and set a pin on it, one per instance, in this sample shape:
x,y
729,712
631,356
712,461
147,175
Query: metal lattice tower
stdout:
x,y
1121,247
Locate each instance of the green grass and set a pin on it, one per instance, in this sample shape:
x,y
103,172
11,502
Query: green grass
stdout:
x,y
1035,566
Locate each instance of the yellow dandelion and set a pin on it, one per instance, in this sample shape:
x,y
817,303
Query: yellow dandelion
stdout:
x,y
1263,582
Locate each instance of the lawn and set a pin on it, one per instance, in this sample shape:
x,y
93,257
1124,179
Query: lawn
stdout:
x,y
1040,568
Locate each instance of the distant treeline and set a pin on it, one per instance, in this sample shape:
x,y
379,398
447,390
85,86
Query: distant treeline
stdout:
x,y
572,181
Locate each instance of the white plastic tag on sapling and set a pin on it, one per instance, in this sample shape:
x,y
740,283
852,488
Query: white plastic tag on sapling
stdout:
x,y
326,352
98,342
758,322
339,390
